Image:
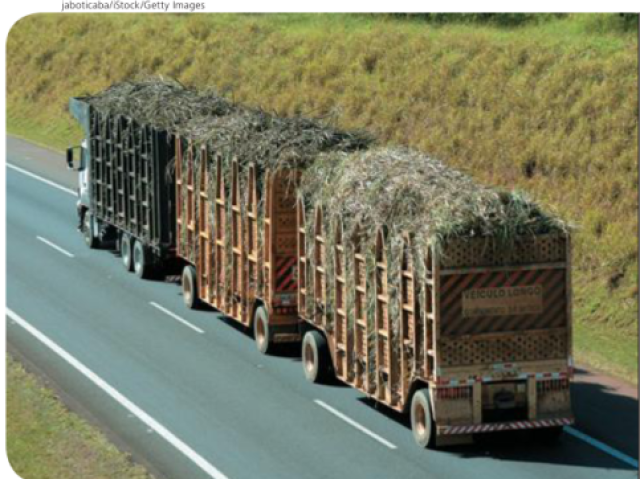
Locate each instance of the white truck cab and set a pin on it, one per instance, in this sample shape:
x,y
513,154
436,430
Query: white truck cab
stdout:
x,y
83,172
85,223
83,176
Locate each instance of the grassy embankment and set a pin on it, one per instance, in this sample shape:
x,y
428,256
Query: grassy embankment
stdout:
x,y
549,107
47,441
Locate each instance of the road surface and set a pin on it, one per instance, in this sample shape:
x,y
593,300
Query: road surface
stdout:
x,y
188,394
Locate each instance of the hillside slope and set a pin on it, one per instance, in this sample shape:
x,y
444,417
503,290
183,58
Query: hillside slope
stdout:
x,y
546,108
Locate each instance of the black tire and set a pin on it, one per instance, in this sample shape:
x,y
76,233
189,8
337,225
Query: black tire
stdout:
x,y
126,251
190,287
262,333
422,423
141,264
548,435
87,231
316,359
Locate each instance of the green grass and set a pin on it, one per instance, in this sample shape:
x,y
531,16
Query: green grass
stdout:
x,y
548,107
47,441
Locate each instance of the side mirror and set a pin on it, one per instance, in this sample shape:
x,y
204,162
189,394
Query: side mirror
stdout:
x,y
70,158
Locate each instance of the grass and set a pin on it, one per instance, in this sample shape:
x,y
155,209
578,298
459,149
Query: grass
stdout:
x,y
548,107
47,441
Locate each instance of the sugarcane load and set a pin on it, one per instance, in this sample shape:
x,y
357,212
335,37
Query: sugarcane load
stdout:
x,y
405,279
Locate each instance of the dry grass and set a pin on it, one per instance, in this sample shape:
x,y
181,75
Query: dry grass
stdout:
x,y
408,191
550,109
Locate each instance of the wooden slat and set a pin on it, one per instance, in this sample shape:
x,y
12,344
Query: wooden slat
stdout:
x,y
220,228
320,278
203,260
493,269
251,231
301,244
342,335
238,303
361,332
387,367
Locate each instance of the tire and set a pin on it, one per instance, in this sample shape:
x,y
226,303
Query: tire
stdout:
x,y
190,287
126,252
316,360
262,333
87,231
141,264
422,423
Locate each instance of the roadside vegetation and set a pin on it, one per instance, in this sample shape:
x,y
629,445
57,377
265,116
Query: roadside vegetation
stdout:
x,y
47,441
542,103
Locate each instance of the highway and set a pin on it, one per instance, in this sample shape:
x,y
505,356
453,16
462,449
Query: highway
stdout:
x,y
187,393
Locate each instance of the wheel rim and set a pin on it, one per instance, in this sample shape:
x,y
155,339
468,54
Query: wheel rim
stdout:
x,y
137,259
309,359
187,290
420,420
126,251
260,330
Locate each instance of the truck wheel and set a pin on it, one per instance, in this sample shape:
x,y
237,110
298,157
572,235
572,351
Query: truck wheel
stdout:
x,y
189,287
422,423
87,231
316,360
262,333
141,265
125,252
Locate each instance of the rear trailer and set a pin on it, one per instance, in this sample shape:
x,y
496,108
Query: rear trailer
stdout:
x,y
130,186
480,341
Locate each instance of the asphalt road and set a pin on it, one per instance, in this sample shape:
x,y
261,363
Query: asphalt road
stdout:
x,y
191,397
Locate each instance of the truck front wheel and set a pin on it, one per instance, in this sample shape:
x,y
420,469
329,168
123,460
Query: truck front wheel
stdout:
x,y
422,423
141,263
262,333
189,287
316,360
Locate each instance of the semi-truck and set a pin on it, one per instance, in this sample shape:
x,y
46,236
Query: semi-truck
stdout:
x,y
470,335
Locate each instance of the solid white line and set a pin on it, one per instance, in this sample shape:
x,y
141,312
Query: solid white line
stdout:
x,y
602,446
55,246
358,426
44,180
121,399
176,317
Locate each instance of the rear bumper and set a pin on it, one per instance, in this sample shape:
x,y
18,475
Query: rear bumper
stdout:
x,y
505,426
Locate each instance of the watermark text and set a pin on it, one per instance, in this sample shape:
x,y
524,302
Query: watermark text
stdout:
x,y
133,5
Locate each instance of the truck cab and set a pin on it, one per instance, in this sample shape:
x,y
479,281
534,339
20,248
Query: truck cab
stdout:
x,y
83,171
83,204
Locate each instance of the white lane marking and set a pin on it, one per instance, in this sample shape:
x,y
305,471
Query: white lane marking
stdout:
x,y
358,426
55,246
44,180
196,458
176,317
602,446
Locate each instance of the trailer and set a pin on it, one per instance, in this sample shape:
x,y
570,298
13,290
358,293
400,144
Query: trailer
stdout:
x,y
482,343
236,234
126,192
